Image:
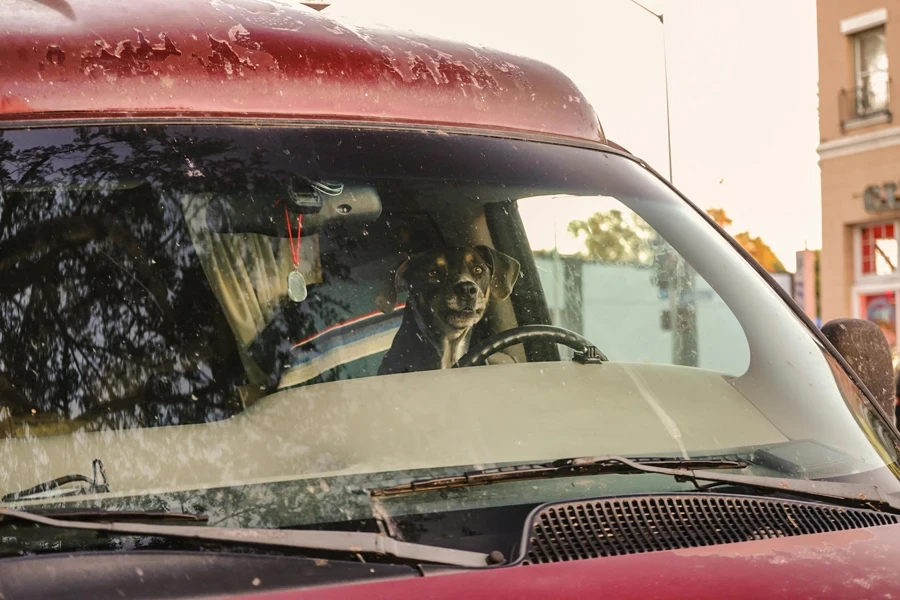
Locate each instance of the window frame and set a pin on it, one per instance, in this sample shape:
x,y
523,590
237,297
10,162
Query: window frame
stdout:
x,y
860,76
867,284
861,278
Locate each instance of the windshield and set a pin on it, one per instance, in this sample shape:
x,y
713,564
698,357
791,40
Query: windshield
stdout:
x,y
260,324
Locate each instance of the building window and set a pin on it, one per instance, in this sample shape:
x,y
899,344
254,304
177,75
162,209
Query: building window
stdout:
x,y
879,249
870,72
877,286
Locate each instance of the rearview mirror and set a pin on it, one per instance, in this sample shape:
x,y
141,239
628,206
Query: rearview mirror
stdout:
x,y
352,205
866,350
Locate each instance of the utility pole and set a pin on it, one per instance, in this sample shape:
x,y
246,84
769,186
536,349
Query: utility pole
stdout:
x,y
680,283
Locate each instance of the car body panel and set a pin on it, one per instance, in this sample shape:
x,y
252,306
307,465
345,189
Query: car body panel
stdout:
x,y
266,59
860,563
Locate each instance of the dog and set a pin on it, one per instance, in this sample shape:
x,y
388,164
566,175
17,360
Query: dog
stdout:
x,y
449,291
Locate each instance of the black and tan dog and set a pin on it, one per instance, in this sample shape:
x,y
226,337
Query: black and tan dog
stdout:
x,y
449,291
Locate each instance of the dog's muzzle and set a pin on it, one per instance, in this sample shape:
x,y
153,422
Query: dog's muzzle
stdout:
x,y
466,317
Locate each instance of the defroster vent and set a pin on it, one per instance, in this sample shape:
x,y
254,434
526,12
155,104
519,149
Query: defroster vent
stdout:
x,y
636,524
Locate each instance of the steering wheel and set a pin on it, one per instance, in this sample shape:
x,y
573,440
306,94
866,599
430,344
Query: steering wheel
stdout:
x,y
504,339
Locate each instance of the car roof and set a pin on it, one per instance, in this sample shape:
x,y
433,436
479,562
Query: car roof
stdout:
x,y
266,59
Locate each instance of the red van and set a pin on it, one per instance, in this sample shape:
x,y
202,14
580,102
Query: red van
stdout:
x,y
291,308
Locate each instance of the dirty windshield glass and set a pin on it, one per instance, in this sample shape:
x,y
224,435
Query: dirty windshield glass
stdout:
x,y
264,324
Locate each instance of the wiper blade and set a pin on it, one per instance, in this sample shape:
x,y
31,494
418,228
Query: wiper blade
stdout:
x,y
846,494
343,542
567,467
97,484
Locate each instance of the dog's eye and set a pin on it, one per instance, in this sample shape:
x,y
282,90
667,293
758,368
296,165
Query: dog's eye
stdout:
x,y
478,270
432,273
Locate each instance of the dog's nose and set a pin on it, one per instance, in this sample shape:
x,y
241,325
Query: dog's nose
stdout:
x,y
465,289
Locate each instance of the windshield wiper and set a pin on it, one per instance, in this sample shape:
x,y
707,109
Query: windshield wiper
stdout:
x,y
343,542
693,470
97,484
566,467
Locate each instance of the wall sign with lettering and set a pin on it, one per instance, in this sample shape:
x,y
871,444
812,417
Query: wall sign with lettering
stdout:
x,y
880,198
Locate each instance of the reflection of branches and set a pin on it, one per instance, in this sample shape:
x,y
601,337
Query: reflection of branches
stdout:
x,y
142,263
50,236
111,406
102,294
9,392
64,330
90,145
137,280
32,170
24,276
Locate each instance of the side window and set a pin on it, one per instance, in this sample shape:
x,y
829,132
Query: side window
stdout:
x,y
607,275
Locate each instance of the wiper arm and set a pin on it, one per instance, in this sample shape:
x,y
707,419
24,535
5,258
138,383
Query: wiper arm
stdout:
x,y
566,467
681,469
99,514
344,542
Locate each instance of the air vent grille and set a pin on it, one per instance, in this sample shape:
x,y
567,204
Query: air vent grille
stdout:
x,y
637,524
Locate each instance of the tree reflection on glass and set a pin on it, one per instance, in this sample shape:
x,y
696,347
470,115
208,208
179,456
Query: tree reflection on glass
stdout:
x,y
107,319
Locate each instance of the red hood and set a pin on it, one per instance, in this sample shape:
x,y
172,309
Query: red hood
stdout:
x,y
862,563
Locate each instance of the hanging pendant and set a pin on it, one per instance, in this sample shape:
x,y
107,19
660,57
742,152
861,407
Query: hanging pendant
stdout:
x,y
296,286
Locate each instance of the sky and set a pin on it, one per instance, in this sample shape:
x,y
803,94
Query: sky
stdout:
x,y
742,80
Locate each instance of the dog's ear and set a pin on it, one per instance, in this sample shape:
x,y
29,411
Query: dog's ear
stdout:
x,y
386,300
504,271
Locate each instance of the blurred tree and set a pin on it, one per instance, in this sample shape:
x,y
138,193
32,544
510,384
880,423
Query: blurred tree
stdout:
x,y
718,215
760,251
613,237
755,246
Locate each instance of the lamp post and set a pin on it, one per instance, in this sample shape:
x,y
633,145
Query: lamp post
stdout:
x,y
682,304
662,21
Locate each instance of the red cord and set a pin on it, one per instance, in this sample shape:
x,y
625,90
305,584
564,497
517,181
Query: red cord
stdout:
x,y
295,252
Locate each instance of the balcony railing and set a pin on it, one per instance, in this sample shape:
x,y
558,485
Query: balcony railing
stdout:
x,y
871,98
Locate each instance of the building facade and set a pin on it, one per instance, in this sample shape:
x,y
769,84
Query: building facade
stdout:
x,y
859,157
806,290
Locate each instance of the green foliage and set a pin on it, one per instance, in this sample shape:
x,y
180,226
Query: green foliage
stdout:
x,y
613,237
